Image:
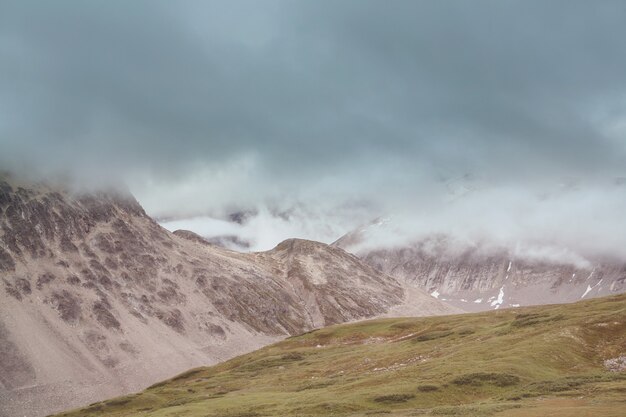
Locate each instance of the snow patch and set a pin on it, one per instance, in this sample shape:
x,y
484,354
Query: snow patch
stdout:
x,y
589,288
497,302
435,294
509,268
478,300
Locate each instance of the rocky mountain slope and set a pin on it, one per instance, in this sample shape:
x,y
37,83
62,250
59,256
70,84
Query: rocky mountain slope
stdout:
x,y
559,360
96,299
477,277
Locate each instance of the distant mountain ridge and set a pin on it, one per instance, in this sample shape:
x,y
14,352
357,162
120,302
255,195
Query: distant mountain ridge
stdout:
x,y
96,299
477,277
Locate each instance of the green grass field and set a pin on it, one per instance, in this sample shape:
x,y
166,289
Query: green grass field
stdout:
x,y
536,361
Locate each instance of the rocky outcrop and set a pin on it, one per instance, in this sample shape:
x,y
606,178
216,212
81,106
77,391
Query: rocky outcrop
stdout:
x,y
616,364
96,299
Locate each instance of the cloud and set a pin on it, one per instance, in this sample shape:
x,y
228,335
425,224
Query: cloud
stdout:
x,y
263,226
204,108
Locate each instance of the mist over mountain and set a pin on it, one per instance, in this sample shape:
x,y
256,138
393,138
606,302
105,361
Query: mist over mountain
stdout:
x,y
569,221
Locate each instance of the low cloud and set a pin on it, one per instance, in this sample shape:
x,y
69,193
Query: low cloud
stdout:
x,y
570,221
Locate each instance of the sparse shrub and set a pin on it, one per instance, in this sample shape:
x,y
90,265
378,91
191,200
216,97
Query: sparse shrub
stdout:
x,y
428,388
432,335
394,398
558,386
466,331
492,378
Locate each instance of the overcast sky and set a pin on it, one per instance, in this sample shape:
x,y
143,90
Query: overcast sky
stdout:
x,y
336,110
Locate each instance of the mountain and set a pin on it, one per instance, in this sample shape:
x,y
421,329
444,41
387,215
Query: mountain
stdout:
x,y
480,277
559,360
97,300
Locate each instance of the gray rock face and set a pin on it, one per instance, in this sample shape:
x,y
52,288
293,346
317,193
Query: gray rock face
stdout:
x,y
97,300
616,364
477,279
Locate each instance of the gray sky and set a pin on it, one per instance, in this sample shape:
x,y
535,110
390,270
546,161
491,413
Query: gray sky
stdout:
x,y
203,106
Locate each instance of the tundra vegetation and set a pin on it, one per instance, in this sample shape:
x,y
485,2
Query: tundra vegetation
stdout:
x,y
548,360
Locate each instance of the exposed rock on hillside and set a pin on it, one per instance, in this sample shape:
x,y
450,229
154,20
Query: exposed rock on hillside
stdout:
x,y
96,299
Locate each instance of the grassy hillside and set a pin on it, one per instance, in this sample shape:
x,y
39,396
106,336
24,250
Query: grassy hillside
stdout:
x,y
536,361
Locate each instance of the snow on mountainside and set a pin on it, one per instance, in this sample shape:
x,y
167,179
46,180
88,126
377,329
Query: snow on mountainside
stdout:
x,y
97,299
